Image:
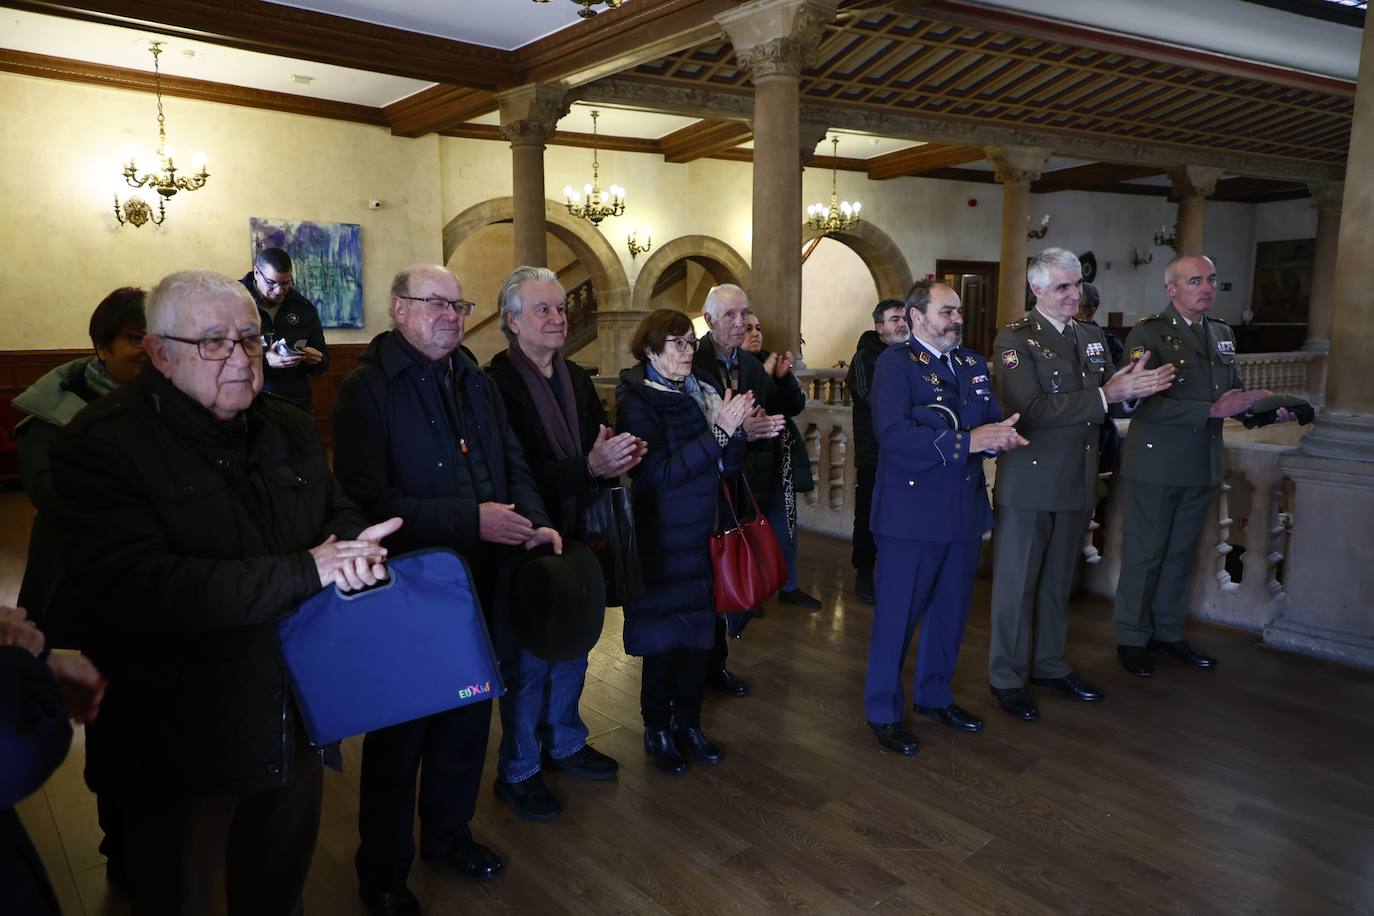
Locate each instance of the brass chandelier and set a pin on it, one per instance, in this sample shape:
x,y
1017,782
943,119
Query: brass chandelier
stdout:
x,y
599,204
588,10
165,181
839,216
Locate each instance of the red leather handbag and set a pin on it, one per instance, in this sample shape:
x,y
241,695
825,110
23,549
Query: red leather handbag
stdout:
x,y
747,560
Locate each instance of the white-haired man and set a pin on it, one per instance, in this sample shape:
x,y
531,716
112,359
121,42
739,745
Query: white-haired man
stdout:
x,y
199,514
1058,374
776,390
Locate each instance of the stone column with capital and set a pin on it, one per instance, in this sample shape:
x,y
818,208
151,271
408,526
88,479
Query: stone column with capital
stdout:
x,y
1326,200
1193,184
1016,168
529,117
773,40
1330,559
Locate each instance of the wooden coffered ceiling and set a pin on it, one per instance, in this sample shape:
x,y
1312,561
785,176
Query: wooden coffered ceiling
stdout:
x,y
948,74
923,64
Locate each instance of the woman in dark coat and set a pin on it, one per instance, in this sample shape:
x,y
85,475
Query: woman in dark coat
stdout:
x,y
693,437
555,413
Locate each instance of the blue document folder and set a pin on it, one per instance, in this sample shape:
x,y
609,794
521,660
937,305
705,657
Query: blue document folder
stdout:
x,y
410,647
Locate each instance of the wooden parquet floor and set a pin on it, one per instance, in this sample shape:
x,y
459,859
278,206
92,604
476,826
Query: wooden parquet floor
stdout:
x,y
1243,790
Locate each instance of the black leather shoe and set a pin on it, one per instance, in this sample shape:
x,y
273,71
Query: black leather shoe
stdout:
x,y
1071,684
1136,660
697,744
475,861
726,682
658,744
799,598
529,798
1014,702
894,737
952,716
863,587
584,763
390,903
1184,652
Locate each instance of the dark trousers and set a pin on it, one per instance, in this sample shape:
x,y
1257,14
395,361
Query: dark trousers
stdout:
x,y
448,751
672,686
720,652
1160,531
865,553
1035,555
175,847
109,810
918,582
24,887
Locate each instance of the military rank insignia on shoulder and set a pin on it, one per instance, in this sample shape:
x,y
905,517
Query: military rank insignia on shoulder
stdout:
x,y
1019,323
1010,359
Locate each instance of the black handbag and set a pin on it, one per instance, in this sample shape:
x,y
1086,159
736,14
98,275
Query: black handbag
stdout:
x,y
608,530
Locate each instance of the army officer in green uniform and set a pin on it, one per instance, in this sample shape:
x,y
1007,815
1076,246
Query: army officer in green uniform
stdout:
x,y
1058,374
1172,463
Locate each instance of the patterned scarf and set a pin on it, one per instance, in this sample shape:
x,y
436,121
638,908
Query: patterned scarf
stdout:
x,y
98,378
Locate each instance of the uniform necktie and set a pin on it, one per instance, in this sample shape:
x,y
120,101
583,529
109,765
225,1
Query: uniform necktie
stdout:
x,y
944,358
1200,333
1072,337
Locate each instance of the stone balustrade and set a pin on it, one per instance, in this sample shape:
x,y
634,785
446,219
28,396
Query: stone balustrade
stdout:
x,y
824,385
1299,373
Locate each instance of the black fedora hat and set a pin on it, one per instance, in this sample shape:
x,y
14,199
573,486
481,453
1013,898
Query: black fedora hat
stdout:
x,y
558,603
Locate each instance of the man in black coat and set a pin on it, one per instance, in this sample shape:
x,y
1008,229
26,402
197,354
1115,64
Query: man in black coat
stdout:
x,y
721,358
289,318
889,327
200,513
422,434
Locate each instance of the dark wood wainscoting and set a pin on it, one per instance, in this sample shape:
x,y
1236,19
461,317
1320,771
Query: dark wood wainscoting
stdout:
x,y
21,368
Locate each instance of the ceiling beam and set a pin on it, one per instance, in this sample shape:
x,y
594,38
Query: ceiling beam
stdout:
x,y
920,159
650,95
285,31
437,108
1091,177
78,71
620,40
704,138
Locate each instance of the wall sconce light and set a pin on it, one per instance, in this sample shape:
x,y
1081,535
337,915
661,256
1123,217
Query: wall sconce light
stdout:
x,y
1166,236
1138,261
632,243
1042,231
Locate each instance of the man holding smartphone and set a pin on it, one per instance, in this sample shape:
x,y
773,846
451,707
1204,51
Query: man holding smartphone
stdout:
x,y
290,321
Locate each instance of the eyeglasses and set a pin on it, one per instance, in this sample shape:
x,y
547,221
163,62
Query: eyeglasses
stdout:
x,y
274,284
683,344
218,349
435,304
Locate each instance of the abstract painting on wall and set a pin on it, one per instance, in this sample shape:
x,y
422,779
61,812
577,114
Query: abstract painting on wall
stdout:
x,y
326,264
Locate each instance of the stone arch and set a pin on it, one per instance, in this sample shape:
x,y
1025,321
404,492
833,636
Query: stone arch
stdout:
x,y
720,260
591,247
880,255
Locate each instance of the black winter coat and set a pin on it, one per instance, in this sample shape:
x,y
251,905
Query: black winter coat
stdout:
x,y
778,396
396,455
296,320
859,383
192,538
675,491
566,485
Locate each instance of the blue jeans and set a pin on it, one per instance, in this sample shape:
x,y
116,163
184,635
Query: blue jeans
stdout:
x,y
777,517
539,710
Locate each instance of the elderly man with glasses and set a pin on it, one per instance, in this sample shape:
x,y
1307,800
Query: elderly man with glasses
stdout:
x,y
422,433
291,325
199,514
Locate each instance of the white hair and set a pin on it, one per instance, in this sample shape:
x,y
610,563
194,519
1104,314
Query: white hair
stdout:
x,y
712,304
509,297
178,289
1038,271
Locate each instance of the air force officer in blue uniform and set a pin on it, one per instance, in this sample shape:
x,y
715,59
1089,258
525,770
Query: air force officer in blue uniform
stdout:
x,y
935,418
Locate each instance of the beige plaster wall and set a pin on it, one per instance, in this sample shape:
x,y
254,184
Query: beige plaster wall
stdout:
x,y
62,249
838,296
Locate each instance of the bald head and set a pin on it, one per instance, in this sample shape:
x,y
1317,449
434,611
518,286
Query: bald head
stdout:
x,y
427,309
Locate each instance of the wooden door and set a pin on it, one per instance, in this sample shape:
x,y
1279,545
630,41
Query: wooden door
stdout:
x,y
976,284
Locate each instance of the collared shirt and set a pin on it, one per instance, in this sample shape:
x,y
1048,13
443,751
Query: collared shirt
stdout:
x,y
933,352
730,363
